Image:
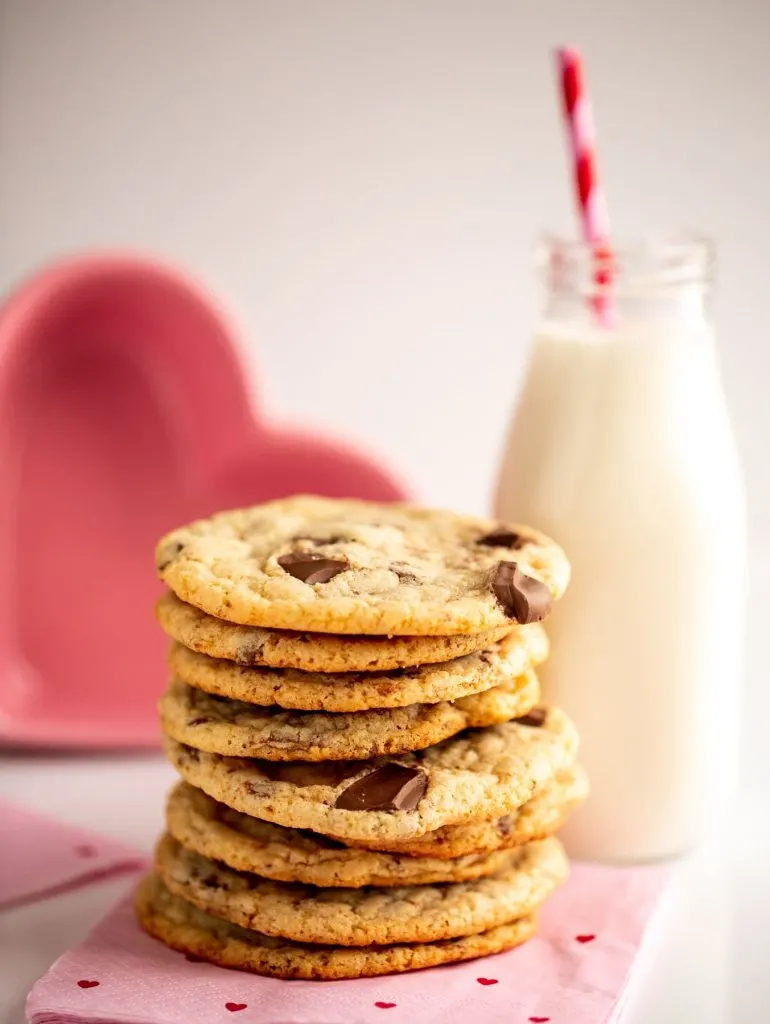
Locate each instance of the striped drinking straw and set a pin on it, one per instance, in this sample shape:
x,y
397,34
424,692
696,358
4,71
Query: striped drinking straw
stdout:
x,y
592,206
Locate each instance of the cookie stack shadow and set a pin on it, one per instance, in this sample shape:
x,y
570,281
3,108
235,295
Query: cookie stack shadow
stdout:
x,y
357,803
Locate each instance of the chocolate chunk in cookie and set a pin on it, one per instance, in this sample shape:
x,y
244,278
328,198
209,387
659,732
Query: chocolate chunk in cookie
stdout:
x,y
391,787
309,568
536,718
522,598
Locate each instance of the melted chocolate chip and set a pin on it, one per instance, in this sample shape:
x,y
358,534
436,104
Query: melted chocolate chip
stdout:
x,y
391,787
311,568
309,773
211,882
505,824
502,537
536,717
522,598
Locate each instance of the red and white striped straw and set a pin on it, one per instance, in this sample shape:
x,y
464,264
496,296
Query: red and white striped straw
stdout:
x,y
592,205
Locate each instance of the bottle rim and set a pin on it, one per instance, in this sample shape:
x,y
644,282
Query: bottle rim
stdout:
x,y
650,263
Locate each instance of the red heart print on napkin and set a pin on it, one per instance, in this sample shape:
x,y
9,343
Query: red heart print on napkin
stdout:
x,y
487,981
585,938
87,984
384,1006
235,1007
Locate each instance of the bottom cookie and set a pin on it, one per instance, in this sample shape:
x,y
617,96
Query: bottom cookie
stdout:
x,y
185,928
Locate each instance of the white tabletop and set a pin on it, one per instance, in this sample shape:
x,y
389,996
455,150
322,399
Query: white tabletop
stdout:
x,y
704,962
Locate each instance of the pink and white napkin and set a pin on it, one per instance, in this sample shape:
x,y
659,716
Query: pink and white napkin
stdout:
x,y
573,972
42,857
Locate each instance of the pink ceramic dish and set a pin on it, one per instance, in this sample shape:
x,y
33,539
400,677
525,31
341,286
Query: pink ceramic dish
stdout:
x,y
124,411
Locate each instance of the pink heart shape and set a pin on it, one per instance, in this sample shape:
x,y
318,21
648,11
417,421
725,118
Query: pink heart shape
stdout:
x,y
487,981
124,411
87,984
235,1007
585,938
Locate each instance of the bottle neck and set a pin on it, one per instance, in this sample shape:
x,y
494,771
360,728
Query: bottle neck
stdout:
x,y
655,284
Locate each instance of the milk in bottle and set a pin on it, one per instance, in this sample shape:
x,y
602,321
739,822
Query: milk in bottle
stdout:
x,y
621,449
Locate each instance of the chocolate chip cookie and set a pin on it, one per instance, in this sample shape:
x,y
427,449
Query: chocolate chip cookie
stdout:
x,y
503,660
180,925
219,725
366,916
315,652
331,566
283,854
479,774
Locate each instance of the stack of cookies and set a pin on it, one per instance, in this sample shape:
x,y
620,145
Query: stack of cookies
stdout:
x,y
370,783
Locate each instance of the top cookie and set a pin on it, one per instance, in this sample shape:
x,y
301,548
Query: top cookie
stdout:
x,y
332,566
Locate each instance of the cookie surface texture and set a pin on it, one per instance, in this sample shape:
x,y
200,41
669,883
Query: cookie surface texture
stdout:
x,y
183,927
215,831
482,773
365,916
310,652
521,649
332,566
538,818
223,726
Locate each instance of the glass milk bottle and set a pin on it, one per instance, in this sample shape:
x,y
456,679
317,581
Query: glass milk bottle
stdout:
x,y
621,449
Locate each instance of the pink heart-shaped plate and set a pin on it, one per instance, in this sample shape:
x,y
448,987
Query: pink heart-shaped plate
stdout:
x,y
124,411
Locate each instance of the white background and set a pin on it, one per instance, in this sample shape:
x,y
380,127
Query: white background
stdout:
x,y
362,182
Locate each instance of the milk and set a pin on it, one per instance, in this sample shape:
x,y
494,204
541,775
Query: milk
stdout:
x,y
620,447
